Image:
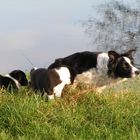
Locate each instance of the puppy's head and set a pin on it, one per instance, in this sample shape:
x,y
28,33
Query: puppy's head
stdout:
x,y
20,76
57,63
122,65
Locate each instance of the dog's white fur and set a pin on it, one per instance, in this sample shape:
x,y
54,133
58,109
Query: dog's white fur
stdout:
x,y
64,75
50,97
16,82
102,63
134,69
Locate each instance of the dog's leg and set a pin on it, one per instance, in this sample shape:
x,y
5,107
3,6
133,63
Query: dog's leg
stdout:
x,y
58,90
100,89
49,94
51,97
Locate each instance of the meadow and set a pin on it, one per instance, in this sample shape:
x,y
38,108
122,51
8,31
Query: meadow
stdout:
x,y
81,114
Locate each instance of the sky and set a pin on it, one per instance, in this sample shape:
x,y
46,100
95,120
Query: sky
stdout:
x,y
41,31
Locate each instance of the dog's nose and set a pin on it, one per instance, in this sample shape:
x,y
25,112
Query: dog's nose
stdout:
x,y
137,72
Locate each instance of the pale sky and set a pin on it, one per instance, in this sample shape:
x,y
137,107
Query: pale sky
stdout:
x,y
42,30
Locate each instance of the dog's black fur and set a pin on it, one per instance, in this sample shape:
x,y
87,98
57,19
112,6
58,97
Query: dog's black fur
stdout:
x,y
79,62
8,81
20,76
44,80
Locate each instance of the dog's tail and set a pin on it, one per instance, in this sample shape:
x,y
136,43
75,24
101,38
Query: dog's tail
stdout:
x,y
32,70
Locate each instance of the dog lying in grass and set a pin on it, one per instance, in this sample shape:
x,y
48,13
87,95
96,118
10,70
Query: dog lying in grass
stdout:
x,y
13,80
98,68
111,63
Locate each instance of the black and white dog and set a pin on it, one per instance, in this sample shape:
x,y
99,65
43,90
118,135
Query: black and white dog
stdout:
x,y
14,80
51,81
110,63
64,70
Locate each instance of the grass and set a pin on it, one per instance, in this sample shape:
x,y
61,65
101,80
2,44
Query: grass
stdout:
x,y
81,114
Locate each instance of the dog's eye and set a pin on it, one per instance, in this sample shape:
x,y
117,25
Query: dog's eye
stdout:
x,y
126,65
132,62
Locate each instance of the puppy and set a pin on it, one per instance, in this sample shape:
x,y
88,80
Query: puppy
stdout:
x,y
51,81
14,80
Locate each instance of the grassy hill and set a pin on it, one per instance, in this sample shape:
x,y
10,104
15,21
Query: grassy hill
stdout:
x,y
82,114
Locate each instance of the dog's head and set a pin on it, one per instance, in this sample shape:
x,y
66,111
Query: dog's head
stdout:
x,y
122,65
57,63
20,76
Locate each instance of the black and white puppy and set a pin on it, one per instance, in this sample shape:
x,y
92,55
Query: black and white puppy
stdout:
x,y
110,63
14,80
51,81
122,65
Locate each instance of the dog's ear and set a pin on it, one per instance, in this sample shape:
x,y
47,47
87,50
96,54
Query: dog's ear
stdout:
x,y
59,60
57,63
19,75
14,74
129,53
113,56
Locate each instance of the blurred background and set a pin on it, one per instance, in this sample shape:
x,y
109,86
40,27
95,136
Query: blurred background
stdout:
x,y
41,31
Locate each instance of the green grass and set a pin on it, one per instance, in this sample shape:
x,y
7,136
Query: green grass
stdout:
x,y
81,114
